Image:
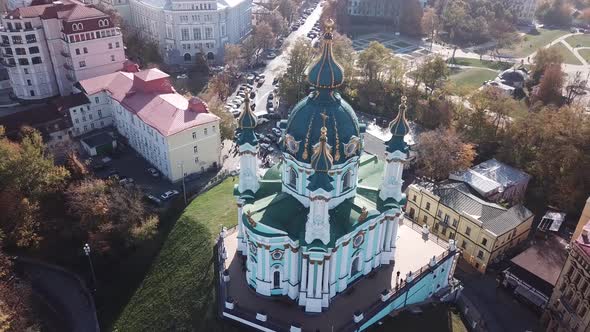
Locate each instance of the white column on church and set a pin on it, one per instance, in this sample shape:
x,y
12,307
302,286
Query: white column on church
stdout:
x,y
393,239
344,266
318,280
328,265
369,252
303,284
388,227
259,264
310,272
293,276
379,249
267,263
333,273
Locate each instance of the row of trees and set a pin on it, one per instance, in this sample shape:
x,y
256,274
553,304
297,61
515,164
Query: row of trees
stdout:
x,y
49,211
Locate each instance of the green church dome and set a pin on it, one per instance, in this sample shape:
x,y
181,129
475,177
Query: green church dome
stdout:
x,y
304,127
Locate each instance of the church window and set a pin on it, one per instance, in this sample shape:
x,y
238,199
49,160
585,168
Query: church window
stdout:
x,y
412,212
277,254
354,269
293,177
346,181
425,219
277,279
484,241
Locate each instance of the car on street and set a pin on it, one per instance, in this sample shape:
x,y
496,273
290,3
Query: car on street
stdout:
x,y
126,181
169,194
271,55
252,94
262,121
260,81
153,172
276,131
270,104
271,96
275,81
182,77
242,95
153,199
235,113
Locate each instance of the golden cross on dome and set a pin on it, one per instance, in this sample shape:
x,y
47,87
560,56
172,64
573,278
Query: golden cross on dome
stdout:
x,y
404,103
324,130
329,25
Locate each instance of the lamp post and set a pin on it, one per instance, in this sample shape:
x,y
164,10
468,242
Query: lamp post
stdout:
x,y
181,165
87,252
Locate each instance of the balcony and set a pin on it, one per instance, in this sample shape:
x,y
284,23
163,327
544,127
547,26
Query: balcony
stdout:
x,y
31,40
68,66
65,54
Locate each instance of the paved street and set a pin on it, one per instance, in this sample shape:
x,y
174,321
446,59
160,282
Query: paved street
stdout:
x,y
278,65
500,310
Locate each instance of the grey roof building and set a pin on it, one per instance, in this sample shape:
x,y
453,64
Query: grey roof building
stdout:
x,y
495,181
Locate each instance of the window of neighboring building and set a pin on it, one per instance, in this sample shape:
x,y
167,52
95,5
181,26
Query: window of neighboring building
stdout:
x,y
436,227
451,235
214,130
455,222
23,62
110,46
90,116
484,241
20,51
444,231
9,26
439,213
194,135
446,219
32,93
82,64
195,149
464,244
77,120
36,60
29,83
28,25
412,212
96,100
197,33
208,33
31,38
184,34
85,128
468,230
196,160
34,50
17,40
84,118
414,198
18,26
205,131
77,51
112,58
480,254
85,50
428,206
117,45
425,219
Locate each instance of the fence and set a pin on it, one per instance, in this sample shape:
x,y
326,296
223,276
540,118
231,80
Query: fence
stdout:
x,y
433,237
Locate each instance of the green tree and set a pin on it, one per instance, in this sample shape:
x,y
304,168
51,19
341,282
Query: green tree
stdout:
x,y
287,9
227,124
277,23
552,146
249,50
263,37
411,18
220,85
544,58
432,73
441,152
294,82
551,85
232,56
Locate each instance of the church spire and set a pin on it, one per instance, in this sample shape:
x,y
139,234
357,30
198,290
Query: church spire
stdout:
x,y
246,124
322,162
326,73
399,127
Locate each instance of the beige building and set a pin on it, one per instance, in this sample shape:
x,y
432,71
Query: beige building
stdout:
x,y
569,307
484,231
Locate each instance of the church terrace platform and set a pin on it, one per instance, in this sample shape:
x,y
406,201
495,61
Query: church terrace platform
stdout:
x,y
414,253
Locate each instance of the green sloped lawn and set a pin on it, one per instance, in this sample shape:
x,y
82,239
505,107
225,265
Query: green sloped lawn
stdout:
x,y
568,56
178,292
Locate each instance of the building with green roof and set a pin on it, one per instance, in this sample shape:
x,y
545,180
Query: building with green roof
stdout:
x,y
327,214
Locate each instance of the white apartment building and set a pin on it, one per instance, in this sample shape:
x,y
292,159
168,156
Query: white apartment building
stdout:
x,y
120,6
184,29
48,48
524,10
174,134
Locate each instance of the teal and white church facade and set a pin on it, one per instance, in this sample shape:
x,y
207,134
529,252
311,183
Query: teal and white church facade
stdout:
x,y
319,226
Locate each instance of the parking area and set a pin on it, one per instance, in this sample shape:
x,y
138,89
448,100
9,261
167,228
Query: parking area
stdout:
x,y
400,46
126,163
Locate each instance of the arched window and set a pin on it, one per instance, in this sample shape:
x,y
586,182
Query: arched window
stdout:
x,y
210,56
354,268
187,57
346,181
293,177
277,279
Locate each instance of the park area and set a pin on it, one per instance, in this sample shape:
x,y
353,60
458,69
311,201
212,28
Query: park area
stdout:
x,y
585,53
578,41
568,56
470,62
471,78
529,43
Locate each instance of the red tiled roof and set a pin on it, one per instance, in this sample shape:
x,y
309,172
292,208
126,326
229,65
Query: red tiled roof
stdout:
x,y
31,11
165,110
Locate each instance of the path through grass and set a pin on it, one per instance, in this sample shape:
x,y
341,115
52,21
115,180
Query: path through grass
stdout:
x,y
482,64
582,40
585,54
568,56
531,43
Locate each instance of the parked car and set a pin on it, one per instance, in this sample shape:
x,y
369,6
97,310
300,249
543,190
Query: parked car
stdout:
x,y
153,199
271,110
182,76
126,181
169,194
271,55
271,96
270,104
252,95
153,172
276,131
262,120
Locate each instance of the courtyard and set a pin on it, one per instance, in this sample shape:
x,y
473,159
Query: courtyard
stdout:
x,y
398,45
